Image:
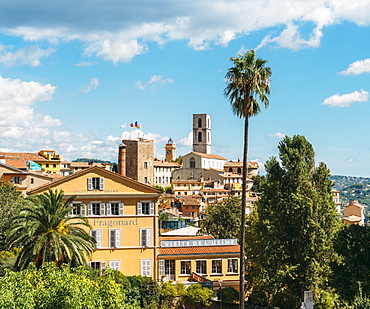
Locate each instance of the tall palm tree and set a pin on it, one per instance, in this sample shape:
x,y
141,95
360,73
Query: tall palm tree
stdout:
x,y
45,232
248,82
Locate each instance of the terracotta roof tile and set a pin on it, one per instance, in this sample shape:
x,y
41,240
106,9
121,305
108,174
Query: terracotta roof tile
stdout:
x,y
22,156
209,156
252,164
165,163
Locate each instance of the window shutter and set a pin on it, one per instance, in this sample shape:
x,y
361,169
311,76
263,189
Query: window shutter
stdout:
x,y
109,209
149,268
121,209
118,238
139,212
102,265
151,208
89,183
101,183
89,211
98,238
161,268
89,264
12,180
148,237
102,209
83,209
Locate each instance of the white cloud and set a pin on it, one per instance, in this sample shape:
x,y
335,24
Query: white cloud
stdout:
x,y
153,82
348,99
125,31
277,135
93,84
29,55
187,141
357,67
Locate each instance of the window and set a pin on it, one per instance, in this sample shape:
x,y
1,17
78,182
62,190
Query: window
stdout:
x,y
47,165
79,209
199,122
146,267
146,180
232,265
217,266
114,238
185,267
239,170
145,237
17,180
96,209
97,265
32,180
115,264
145,164
115,209
145,208
230,170
192,162
96,234
199,136
201,267
167,268
54,165
95,183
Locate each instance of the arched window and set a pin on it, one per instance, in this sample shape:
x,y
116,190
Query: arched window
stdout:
x,y
192,162
239,170
199,122
199,136
230,169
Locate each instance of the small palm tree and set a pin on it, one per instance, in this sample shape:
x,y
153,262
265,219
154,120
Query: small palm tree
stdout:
x,y
45,232
248,81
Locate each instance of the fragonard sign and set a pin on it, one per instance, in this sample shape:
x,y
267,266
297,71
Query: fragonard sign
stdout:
x,y
198,243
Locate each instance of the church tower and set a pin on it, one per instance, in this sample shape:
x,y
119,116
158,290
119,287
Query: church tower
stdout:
x,y
170,148
202,133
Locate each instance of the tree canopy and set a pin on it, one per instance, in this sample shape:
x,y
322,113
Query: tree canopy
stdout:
x,y
291,231
46,232
222,219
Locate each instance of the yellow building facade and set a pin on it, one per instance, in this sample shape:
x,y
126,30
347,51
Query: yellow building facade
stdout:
x,y
123,215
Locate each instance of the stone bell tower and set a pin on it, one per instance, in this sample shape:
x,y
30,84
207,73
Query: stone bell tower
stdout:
x,y
202,133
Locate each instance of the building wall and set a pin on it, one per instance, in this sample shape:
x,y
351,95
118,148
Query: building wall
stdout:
x,y
128,253
139,160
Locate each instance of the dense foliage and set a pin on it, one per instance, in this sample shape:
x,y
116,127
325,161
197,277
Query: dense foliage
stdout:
x,y
352,269
223,219
291,231
11,202
197,296
44,231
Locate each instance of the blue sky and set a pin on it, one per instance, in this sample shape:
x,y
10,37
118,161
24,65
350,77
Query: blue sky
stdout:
x,y
72,72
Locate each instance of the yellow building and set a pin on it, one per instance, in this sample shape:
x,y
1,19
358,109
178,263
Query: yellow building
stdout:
x,y
123,216
189,259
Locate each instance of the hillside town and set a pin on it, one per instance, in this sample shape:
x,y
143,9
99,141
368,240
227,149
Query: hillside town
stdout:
x,y
123,207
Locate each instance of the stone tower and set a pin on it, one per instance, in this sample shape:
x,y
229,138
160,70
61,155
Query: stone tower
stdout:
x,y
202,133
139,159
122,159
170,149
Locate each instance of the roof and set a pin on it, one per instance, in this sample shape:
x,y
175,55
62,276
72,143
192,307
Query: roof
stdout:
x,y
207,155
205,250
185,231
252,164
164,163
85,171
187,181
189,200
22,156
12,168
352,218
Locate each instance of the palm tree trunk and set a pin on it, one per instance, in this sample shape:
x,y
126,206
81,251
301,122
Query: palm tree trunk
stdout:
x,y
242,223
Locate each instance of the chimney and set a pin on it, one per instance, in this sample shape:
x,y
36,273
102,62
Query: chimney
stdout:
x,y
122,159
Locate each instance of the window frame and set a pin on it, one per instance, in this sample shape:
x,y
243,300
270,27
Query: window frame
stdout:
x,y
145,237
146,267
97,237
185,267
215,267
204,262
150,208
114,238
231,267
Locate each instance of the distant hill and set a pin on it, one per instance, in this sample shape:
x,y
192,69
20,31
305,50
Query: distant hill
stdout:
x,y
352,188
91,160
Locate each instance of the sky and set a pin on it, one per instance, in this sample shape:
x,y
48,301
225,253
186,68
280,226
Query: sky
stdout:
x,y
73,74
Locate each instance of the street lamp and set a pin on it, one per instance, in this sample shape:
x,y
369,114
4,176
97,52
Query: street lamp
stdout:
x,y
220,283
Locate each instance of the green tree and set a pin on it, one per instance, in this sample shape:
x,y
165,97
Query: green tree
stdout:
x,y
291,231
198,296
353,266
171,295
45,232
11,202
223,219
248,82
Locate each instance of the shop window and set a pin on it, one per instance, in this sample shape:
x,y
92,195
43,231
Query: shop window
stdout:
x,y
217,266
185,267
201,267
232,265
